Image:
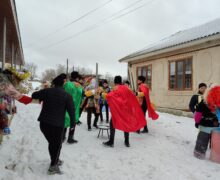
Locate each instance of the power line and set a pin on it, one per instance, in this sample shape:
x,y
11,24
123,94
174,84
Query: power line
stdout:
x,y
95,26
74,21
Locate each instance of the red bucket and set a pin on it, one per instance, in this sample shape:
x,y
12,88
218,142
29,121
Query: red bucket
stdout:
x,y
215,146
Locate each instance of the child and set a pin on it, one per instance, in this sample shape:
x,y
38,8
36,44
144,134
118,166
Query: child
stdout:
x,y
207,121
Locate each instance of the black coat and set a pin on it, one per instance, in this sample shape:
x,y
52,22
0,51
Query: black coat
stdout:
x,y
194,102
209,119
55,104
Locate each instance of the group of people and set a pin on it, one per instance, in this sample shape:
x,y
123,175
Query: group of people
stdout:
x,y
64,102
204,105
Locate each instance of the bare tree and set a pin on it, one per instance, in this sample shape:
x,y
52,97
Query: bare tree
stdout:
x,y
60,69
32,68
109,78
49,75
83,70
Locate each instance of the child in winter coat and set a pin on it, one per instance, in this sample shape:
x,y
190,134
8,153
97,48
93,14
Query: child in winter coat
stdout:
x,y
206,121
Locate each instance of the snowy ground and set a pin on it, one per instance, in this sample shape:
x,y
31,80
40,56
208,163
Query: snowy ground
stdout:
x,y
163,154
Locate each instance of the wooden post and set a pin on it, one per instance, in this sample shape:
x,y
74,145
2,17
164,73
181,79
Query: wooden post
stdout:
x,y
16,57
4,42
12,55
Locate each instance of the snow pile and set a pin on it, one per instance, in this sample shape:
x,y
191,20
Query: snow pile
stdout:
x,y
165,153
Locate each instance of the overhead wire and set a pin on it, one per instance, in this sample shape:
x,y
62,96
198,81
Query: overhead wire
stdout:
x,y
72,22
103,22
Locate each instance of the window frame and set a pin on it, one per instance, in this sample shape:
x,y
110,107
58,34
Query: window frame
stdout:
x,y
142,67
184,74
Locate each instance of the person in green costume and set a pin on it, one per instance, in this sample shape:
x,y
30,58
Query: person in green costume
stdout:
x,y
74,88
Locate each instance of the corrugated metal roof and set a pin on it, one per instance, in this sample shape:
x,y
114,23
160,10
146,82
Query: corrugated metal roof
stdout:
x,y
182,37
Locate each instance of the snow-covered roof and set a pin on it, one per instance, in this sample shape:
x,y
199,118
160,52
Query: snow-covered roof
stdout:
x,y
182,37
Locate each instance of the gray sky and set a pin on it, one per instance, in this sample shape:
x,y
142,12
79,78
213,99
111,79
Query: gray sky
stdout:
x,y
110,42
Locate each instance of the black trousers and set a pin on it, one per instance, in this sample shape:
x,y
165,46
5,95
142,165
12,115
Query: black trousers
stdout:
x,y
112,134
54,137
106,110
202,142
71,133
90,111
83,106
144,109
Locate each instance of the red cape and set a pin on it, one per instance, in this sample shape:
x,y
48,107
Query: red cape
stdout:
x,y
151,112
125,109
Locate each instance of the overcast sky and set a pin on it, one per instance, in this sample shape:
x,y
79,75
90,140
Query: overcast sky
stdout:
x,y
110,42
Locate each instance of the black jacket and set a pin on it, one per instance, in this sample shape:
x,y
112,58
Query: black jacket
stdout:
x,y
194,102
209,119
55,104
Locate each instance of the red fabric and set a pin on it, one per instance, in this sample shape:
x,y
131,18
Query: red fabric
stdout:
x,y
213,98
125,109
151,112
25,100
2,106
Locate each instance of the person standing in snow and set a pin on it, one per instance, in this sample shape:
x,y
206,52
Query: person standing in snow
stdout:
x,y
105,90
207,116
143,95
127,115
73,88
52,118
92,105
197,98
206,122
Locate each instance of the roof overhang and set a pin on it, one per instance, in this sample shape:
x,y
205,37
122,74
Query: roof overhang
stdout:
x,y
8,12
15,17
175,49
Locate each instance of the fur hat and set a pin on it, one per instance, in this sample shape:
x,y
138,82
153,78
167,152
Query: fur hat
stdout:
x,y
118,80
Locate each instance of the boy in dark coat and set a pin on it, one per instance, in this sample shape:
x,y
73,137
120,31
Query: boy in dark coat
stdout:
x,y
197,98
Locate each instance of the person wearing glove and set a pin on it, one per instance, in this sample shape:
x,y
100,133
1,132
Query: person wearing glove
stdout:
x,y
91,105
103,102
52,118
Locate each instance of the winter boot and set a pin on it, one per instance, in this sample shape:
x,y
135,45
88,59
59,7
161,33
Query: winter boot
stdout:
x,y
199,155
127,144
108,144
145,130
60,162
72,141
54,170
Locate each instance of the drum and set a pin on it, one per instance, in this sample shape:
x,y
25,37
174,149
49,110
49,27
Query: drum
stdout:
x,y
215,146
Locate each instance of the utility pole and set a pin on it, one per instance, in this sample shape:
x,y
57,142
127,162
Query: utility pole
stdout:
x,y
67,68
97,76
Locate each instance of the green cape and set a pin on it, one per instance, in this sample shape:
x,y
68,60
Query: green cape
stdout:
x,y
76,93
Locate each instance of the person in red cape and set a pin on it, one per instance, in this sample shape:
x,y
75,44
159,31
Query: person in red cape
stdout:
x,y
144,100
126,113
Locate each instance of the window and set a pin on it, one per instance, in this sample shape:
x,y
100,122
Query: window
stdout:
x,y
146,71
180,74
